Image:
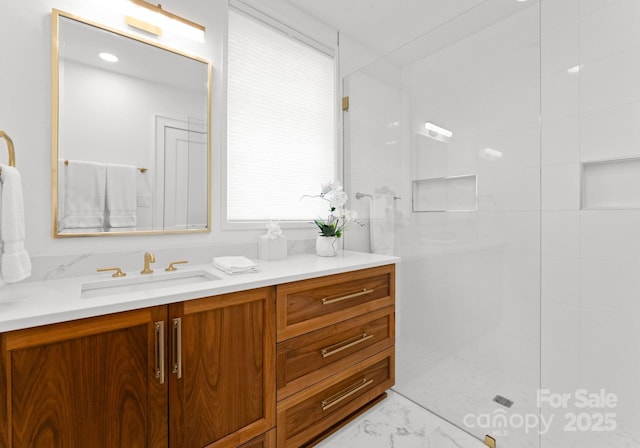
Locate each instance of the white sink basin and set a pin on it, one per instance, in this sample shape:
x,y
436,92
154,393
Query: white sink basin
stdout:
x,y
114,286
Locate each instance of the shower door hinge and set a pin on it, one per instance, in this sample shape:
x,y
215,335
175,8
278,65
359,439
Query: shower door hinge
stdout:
x,y
345,103
490,441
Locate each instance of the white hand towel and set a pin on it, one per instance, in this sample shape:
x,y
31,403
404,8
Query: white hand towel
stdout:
x,y
382,230
235,265
121,195
15,264
84,192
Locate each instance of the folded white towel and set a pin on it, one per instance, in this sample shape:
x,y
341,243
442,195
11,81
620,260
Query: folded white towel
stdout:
x,y
382,232
121,195
15,264
84,195
235,265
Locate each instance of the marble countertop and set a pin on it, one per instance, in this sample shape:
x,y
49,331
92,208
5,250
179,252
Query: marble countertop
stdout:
x,y
24,305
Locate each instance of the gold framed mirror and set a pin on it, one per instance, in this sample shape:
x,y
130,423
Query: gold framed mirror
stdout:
x,y
131,139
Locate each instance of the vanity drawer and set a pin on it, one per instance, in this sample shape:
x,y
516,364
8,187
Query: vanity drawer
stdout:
x,y
308,305
310,413
312,357
266,440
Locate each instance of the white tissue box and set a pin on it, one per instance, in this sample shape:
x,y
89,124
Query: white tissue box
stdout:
x,y
269,249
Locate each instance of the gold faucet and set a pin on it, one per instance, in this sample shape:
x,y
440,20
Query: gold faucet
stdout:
x,y
148,258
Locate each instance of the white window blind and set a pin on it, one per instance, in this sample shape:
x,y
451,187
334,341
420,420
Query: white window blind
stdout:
x,y
280,123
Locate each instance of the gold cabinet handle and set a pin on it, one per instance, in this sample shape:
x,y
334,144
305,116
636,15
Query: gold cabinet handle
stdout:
x,y
337,348
118,272
171,266
176,342
328,300
159,351
340,396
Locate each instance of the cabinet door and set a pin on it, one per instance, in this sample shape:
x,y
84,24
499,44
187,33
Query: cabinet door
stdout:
x,y
86,383
222,364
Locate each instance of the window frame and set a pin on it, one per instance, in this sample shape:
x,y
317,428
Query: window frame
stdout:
x,y
332,51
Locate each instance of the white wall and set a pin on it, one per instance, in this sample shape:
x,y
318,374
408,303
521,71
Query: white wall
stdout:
x,y
25,112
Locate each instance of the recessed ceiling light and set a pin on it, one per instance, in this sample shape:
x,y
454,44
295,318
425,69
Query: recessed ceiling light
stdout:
x,y
108,57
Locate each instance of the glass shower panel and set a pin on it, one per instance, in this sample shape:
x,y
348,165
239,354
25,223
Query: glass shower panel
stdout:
x,y
453,117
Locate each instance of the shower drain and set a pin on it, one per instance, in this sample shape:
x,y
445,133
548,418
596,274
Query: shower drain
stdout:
x,y
503,401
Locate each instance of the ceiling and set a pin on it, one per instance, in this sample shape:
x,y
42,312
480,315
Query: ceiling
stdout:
x,y
384,25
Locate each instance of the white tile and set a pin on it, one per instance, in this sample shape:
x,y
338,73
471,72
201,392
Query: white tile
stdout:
x,y
514,190
610,133
610,30
560,43
610,81
561,326
561,187
430,158
560,95
610,235
513,232
462,158
517,147
510,107
611,286
561,280
558,11
589,6
561,140
501,68
608,340
561,234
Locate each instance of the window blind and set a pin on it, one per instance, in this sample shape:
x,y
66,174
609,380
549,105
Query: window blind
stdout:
x,y
280,123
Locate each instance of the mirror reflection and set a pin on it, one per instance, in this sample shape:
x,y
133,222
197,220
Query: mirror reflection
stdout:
x,y
132,143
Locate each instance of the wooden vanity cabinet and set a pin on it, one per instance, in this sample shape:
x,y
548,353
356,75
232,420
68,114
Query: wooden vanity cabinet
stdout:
x,y
222,384
335,354
277,366
196,374
86,383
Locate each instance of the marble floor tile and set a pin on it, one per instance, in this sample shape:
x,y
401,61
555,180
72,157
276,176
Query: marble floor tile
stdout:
x,y
397,422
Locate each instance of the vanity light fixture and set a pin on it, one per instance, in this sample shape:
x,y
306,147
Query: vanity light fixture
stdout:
x,y
155,20
438,130
109,57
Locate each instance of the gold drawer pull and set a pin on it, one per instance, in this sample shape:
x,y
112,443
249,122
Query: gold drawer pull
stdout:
x,y
364,292
159,351
337,398
336,348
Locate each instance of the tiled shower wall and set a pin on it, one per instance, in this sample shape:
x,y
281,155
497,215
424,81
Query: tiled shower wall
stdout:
x,y
530,291
590,258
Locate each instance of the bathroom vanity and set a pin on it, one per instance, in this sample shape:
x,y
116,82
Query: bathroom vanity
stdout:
x,y
281,358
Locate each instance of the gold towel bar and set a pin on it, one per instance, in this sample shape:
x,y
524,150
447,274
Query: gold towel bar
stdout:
x,y
141,169
12,152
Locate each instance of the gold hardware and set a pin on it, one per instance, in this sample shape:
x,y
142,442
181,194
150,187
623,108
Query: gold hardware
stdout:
x,y
141,169
148,259
345,103
159,351
490,441
144,26
118,272
340,396
10,148
159,9
171,266
329,300
336,348
176,342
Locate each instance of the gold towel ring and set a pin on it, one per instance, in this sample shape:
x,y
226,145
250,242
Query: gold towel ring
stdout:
x,y
10,148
